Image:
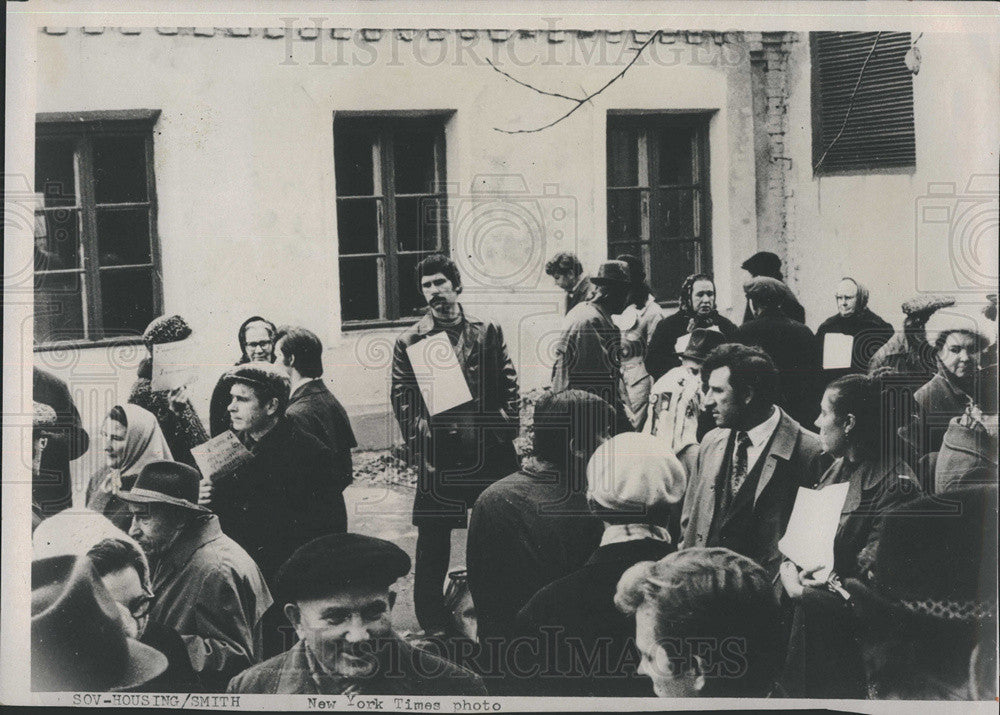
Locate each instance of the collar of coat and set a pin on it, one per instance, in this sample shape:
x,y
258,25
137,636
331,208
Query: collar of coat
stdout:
x,y
296,675
426,325
201,531
309,387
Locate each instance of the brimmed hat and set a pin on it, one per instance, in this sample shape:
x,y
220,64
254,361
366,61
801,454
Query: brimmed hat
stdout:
x,y
701,341
78,642
263,375
166,329
338,562
935,559
763,263
613,273
634,473
926,304
166,482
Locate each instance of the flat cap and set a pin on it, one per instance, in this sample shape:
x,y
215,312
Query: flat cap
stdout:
x,y
765,288
636,474
927,304
337,562
262,374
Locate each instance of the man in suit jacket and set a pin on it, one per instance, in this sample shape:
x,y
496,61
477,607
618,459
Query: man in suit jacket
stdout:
x,y
750,468
311,406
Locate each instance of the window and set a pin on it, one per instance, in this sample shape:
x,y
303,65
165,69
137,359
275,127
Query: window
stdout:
x,y
96,253
391,212
862,105
658,202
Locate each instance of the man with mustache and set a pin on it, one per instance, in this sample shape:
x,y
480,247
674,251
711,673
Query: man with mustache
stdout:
x,y
337,593
460,451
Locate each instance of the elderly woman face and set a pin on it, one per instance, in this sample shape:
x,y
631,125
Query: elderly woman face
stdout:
x,y
959,354
847,298
703,297
113,432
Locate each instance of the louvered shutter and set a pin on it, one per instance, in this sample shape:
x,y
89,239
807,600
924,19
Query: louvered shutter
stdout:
x,y
878,133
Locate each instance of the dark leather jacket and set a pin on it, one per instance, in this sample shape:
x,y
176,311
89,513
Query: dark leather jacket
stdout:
x,y
490,419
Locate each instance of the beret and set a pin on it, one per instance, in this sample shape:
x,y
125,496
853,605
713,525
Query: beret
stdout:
x,y
166,329
44,417
261,374
337,562
634,473
926,304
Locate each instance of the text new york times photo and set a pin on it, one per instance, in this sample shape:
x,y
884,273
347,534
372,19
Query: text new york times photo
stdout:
x,y
486,357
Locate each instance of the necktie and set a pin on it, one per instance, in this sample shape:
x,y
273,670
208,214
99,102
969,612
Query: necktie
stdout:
x,y
740,462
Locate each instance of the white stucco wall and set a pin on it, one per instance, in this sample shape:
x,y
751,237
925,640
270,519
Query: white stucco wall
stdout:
x,y
245,181
873,226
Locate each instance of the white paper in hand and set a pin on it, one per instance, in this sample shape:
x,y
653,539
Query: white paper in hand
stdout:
x,y
438,373
221,455
808,540
173,365
837,349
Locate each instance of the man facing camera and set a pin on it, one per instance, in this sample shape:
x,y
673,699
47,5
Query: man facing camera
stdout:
x,y
337,595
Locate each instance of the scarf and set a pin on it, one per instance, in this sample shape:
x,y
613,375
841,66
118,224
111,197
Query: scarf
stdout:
x,y
144,443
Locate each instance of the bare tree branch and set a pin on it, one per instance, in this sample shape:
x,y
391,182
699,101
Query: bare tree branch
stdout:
x,y
529,86
579,102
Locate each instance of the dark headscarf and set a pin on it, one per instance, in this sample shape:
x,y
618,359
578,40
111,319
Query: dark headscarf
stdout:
x,y
271,329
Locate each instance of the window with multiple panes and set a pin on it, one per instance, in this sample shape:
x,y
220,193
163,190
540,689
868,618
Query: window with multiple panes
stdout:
x,y
391,212
96,254
862,102
658,196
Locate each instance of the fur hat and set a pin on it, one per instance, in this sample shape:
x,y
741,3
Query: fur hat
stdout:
x,y
166,329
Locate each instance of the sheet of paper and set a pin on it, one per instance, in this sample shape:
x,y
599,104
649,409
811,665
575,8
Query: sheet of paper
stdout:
x,y
438,373
221,455
174,365
808,540
837,350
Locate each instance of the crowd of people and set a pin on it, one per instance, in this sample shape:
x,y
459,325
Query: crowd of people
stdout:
x,y
634,547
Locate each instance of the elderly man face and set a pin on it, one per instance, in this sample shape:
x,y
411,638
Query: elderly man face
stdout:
x,y
156,527
847,298
343,630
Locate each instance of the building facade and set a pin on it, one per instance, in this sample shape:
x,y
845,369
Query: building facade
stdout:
x,y
300,172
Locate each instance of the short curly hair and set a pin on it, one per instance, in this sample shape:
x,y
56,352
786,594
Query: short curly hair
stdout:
x,y
438,263
562,263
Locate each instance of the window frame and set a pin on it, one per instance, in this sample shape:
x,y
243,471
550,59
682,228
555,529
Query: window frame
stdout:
x,y
82,128
385,125
648,122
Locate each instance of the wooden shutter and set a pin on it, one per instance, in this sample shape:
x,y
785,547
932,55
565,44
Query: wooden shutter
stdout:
x,y
878,133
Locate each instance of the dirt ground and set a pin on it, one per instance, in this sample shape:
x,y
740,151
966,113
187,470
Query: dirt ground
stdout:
x,y
379,503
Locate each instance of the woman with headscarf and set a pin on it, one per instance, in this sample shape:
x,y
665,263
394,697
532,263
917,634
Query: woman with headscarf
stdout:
x,y
256,336
132,439
697,310
637,323
181,426
868,331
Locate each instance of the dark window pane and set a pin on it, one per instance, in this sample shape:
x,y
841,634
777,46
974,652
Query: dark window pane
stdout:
x,y
353,163
414,161
674,214
625,215
127,301
123,236
359,289
57,239
419,223
623,159
54,174
676,157
670,263
411,300
120,170
58,308
357,225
